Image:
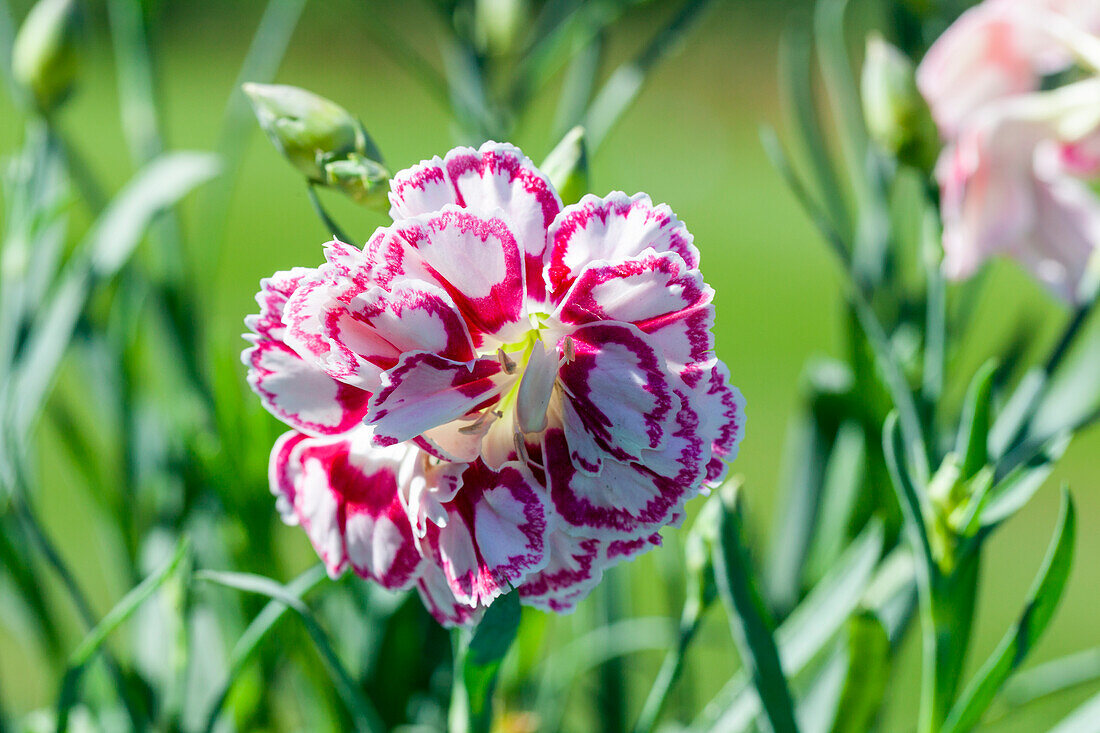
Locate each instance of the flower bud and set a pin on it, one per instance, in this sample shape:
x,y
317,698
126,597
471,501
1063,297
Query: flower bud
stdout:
x,y
44,54
364,180
499,24
897,116
567,166
321,139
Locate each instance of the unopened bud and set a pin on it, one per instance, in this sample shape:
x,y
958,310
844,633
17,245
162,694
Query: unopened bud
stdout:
x,y
321,139
897,116
567,166
366,181
44,54
499,24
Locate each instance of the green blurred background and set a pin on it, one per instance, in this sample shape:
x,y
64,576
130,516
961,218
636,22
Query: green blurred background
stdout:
x,y
690,140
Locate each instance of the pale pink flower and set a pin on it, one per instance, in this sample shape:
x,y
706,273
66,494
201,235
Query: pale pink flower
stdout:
x,y
1010,187
551,368
997,49
1013,172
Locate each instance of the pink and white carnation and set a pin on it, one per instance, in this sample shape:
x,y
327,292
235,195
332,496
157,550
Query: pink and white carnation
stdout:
x,y
538,381
1014,175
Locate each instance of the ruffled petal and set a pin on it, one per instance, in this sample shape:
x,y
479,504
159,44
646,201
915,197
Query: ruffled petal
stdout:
x,y
722,421
619,388
354,330
440,600
495,534
636,290
296,391
300,394
425,391
573,569
478,261
499,176
614,229
627,500
345,494
421,189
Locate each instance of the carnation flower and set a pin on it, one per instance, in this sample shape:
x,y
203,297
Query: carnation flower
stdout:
x,y
998,49
538,381
1011,184
1013,175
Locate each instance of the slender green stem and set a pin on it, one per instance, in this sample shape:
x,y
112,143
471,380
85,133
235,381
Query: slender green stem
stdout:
x,y
951,617
611,694
90,190
331,226
478,655
257,631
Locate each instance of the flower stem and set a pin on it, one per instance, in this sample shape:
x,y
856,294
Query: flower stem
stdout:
x,y
478,655
947,616
332,227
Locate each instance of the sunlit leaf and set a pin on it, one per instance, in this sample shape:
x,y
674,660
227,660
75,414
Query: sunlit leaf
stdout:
x,y
868,671
1042,601
1081,720
808,630
362,712
481,657
78,661
971,445
749,618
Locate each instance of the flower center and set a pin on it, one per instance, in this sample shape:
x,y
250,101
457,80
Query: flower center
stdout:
x,y
521,409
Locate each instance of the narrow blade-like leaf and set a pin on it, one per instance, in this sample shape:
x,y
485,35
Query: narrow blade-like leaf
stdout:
x,y
1022,637
362,711
749,619
91,643
865,681
480,660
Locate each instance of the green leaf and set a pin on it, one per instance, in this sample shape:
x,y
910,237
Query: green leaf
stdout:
x,y
1081,720
82,655
913,501
805,633
478,664
820,216
1053,677
7,38
797,92
567,664
872,233
362,712
843,479
155,188
624,84
112,240
972,444
868,671
1013,418
1042,601
256,632
567,166
1016,489
749,619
